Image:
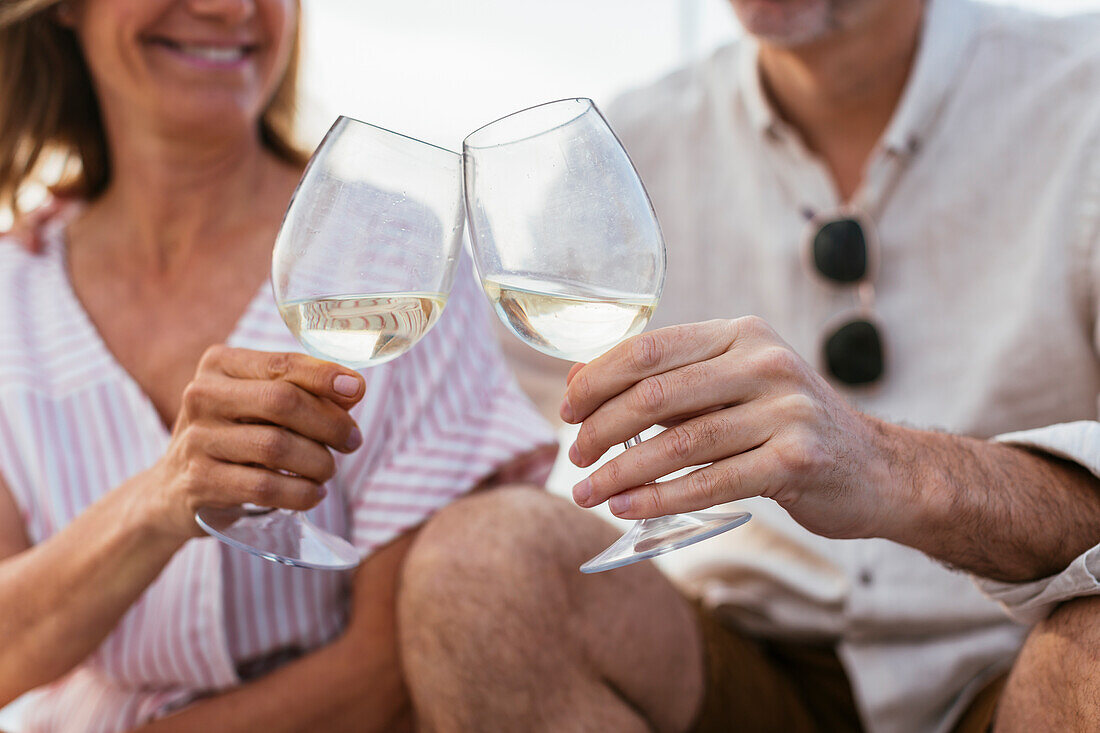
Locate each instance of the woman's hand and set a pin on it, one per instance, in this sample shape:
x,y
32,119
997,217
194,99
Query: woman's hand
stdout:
x,y
740,399
255,427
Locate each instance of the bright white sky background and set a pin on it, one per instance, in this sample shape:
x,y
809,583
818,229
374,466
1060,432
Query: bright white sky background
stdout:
x,y
437,69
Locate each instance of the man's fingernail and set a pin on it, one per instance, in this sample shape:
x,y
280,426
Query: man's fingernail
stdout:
x,y
566,411
355,439
346,386
575,454
619,504
582,492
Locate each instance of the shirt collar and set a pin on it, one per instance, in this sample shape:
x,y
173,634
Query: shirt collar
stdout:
x,y
949,30
760,111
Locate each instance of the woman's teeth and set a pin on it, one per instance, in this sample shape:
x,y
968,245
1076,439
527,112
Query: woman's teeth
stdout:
x,y
215,54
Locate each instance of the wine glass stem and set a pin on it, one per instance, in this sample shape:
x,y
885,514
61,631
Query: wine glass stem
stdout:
x,y
627,445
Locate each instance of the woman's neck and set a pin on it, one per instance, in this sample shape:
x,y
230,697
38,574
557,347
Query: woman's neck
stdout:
x,y
171,199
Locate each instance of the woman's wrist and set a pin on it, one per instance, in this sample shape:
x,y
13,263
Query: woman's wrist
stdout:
x,y
148,509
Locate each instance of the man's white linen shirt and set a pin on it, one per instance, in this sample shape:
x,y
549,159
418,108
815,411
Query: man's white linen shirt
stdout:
x,y
985,192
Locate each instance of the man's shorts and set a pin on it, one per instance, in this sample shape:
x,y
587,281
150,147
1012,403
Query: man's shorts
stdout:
x,y
756,685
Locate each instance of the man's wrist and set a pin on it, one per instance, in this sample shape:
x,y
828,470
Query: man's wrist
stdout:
x,y
928,494
903,475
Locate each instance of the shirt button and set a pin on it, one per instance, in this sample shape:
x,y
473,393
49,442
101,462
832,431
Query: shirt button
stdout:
x,y
865,577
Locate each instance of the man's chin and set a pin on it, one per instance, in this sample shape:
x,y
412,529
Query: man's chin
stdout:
x,y
784,22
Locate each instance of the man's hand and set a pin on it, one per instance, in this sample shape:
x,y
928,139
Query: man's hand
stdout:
x,y
740,399
736,396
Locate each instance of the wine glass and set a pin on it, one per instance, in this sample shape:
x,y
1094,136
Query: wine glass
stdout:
x,y
361,271
571,257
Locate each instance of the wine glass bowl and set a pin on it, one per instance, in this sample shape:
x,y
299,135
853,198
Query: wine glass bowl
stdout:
x,y
547,183
366,255
570,254
361,270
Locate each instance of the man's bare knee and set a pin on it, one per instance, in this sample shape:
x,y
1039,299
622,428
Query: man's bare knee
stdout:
x,y
492,601
510,550
505,530
1055,683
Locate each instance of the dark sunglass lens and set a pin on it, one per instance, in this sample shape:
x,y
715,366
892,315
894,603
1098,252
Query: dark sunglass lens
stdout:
x,y
853,354
840,251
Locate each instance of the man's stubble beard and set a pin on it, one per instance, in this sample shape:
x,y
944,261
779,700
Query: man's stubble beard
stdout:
x,y
792,23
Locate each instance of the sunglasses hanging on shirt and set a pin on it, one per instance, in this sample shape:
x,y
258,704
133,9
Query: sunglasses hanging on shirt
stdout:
x,y
842,250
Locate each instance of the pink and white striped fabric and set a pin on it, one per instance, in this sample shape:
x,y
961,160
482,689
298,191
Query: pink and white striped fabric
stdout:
x,y
74,424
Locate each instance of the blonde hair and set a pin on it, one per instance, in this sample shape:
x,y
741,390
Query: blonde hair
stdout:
x,y
51,107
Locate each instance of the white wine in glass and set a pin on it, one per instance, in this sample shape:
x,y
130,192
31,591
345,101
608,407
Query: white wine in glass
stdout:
x,y
361,271
360,331
571,256
574,321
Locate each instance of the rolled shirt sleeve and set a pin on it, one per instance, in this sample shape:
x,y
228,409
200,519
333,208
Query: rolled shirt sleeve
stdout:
x,y
1033,601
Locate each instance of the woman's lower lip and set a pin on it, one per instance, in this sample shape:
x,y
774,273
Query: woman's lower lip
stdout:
x,y
200,62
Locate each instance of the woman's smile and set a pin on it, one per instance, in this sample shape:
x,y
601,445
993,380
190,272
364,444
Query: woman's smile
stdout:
x,y
205,54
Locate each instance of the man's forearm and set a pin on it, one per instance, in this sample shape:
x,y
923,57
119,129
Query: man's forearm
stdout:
x,y
354,684
995,510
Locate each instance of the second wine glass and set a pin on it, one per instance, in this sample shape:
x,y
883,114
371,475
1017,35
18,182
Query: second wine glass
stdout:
x,y
571,256
361,271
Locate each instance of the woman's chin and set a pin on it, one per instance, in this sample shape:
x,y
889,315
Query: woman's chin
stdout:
x,y
199,111
197,120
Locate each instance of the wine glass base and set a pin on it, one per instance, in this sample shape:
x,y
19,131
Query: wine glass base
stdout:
x,y
280,536
652,537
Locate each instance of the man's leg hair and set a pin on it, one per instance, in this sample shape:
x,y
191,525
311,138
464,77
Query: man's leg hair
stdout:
x,y
500,632
1055,683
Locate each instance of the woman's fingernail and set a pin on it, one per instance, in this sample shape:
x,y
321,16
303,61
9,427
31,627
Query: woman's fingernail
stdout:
x,y
566,411
575,454
582,492
619,504
346,385
355,439
322,492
